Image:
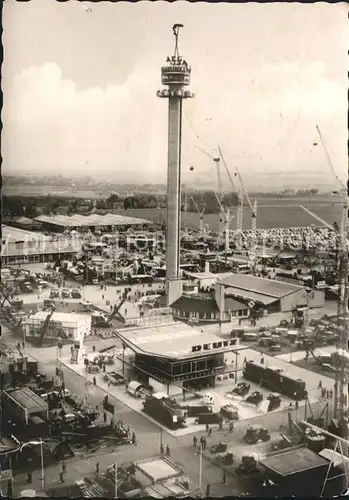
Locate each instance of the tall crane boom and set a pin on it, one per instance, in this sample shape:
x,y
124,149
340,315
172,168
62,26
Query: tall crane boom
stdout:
x,y
45,325
200,212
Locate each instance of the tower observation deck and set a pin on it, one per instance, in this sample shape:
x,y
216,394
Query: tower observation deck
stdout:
x,y
175,75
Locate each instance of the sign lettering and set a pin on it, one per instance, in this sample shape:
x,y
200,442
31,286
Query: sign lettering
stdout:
x,y
214,345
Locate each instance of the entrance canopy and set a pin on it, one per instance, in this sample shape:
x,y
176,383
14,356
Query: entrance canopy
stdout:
x,y
177,341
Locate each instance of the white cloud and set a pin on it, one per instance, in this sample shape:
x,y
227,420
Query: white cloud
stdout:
x,y
120,130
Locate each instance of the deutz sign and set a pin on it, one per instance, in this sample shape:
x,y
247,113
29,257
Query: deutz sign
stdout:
x,y
214,345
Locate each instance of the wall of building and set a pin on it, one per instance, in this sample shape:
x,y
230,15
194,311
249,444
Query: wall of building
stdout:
x,y
75,330
295,299
316,298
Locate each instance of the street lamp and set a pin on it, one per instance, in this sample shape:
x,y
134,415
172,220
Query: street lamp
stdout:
x,y
200,471
37,443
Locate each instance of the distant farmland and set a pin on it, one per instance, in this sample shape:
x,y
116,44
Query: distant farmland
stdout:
x,y
268,216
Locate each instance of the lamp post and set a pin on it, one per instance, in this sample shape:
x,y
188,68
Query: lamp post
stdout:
x,y
200,471
116,480
37,443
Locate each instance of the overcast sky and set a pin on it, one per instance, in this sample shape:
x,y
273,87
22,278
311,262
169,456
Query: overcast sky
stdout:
x,y
80,83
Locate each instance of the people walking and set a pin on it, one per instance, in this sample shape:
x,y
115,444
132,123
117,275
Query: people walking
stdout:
x,y
162,451
61,477
64,467
209,431
195,440
97,467
231,426
168,451
224,477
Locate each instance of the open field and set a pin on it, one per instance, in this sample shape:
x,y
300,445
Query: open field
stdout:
x,y
269,216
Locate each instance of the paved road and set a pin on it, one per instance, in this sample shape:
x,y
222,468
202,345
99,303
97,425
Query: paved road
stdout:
x,y
148,439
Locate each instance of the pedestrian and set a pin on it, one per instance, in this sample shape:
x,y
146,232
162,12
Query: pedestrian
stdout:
x,y
125,312
220,425
94,381
104,417
195,440
208,491
331,393
262,360
231,426
104,368
18,346
64,467
97,467
134,438
327,394
102,296
210,431
297,404
162,451
204,443
207,428
224,477
245,359
320,385
168,451
61,477
23,344
93,348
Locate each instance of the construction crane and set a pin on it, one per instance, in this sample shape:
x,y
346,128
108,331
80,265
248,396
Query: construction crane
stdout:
x,y
341,374
341,444
44,326
239,219
59,371
117,308
219,194
253,207
201,214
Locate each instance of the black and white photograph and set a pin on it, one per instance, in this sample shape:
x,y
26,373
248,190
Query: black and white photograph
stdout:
x,y
174,260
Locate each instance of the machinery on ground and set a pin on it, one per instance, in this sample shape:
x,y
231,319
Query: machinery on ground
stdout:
x,y
275,379
230,412
274,401
254,398
165,410
44,327
219,448
241,389
256,434
248,466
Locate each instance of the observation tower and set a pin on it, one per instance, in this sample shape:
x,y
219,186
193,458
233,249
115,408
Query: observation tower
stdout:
x,y
175,75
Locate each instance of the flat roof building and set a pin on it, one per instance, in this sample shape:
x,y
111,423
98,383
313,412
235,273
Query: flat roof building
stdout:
x,y
60,223
25,403
68,326
20,246
177,353
270,294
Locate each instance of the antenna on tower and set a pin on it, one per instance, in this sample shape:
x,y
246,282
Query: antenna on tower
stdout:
x,y
175,29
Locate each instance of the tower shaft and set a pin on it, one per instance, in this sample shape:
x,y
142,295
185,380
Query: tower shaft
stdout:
x,y
175,75
173,187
